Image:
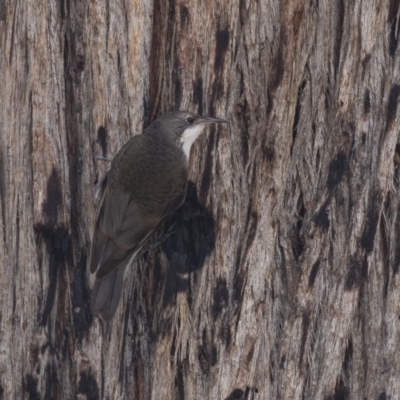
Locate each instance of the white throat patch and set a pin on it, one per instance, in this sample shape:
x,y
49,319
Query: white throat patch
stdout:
x,y
189,136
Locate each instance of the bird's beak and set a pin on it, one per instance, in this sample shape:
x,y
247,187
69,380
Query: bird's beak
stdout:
x,y
210,120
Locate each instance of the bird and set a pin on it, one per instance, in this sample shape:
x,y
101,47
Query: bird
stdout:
x,y
146,183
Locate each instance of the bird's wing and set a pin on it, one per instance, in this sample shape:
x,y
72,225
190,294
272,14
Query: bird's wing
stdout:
x,y
122,227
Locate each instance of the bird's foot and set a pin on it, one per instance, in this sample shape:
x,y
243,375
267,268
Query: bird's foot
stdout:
x,y
158,240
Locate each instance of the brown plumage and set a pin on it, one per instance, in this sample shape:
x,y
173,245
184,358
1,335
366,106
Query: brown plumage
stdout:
x,y
144,186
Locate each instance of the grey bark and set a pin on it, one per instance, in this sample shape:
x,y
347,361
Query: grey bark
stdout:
x,y
281,279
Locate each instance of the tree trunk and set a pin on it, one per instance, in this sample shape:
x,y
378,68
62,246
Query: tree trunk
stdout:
x,y
281,279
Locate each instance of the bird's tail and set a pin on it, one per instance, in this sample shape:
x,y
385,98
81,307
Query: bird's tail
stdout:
x,y
106,293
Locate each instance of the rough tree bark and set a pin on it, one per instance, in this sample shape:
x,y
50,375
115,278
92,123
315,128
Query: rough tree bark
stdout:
x,y
281,280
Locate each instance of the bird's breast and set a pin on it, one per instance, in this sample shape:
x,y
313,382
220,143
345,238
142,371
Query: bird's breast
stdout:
x,y
154,174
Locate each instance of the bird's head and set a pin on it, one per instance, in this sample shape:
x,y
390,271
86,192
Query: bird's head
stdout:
x,y
183,127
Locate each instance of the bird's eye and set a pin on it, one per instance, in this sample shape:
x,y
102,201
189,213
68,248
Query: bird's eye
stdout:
x,y
190,120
